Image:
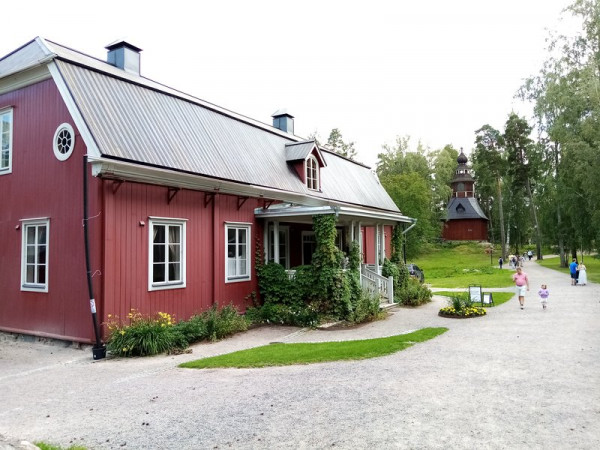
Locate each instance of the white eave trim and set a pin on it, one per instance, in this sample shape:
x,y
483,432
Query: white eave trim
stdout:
x,y
24,77
289,211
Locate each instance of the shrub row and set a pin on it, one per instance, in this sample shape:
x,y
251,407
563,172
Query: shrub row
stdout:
x,y
143,335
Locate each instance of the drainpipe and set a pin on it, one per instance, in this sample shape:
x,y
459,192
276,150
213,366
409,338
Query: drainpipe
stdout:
x,y
99,350
414,222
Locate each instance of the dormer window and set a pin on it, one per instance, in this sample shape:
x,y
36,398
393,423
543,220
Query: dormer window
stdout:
x,y
312,173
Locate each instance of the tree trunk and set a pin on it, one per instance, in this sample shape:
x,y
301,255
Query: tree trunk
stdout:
x,y
538,237
501,214
561,242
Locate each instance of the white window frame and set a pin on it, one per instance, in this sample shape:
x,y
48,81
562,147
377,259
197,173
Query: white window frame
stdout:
x,y
25,224
270,253
69,129
167,284
313,183
233,278
8,168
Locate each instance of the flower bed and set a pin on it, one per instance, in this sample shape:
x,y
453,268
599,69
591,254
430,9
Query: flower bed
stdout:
x,y
462,313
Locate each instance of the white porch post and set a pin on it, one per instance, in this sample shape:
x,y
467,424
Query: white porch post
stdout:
x,y
352,231
376,241
266,241
382,245
360,242
276,241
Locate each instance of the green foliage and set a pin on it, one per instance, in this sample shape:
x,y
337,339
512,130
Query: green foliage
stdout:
x,y
461,306
499,297
223,322
396,241
273,283
365,309
288,354
46,446
151,335
415,293
337,144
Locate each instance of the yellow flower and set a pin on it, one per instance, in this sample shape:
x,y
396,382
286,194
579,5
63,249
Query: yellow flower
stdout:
x,y
122,332
124,349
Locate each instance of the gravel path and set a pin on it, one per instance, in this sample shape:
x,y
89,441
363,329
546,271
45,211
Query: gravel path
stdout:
x,y
513,379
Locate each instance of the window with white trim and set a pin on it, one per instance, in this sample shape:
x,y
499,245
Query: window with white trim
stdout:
x,y
6,122
34,255
284,245
312,173
237,251
167,254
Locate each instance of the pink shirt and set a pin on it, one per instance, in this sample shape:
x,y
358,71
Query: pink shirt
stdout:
x,y
520,279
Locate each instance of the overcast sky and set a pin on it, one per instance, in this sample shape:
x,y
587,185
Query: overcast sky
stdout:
x,y
436,70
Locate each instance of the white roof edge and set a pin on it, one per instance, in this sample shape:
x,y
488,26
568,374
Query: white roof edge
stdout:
x,y
283,211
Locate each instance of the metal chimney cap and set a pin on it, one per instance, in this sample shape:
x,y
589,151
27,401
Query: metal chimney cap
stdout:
x,y
281,112
122,43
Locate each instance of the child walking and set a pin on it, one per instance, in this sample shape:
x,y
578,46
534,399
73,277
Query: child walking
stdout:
x,y
544,294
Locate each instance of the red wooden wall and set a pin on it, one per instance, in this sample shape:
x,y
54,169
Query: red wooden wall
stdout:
x,y
465,230
42,186
127,242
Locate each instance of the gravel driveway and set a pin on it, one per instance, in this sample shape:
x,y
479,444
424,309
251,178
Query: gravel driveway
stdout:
x,y
513,379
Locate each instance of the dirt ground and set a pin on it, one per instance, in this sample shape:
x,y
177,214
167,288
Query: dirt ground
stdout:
x,y
512,379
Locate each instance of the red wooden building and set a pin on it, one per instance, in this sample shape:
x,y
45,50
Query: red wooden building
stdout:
x,y
465,221
182,194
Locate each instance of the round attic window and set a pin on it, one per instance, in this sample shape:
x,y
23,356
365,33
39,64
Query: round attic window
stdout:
x,y
64,141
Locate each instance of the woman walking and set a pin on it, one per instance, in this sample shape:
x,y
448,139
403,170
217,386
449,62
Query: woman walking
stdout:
x,y
522,283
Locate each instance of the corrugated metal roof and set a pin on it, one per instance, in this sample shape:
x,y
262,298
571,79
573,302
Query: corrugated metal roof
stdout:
x,y
135,119
24,57
464,208
296,151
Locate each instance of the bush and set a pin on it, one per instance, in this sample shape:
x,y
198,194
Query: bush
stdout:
x,y
366,308
223,322
415,293
273,283
146,335
277,313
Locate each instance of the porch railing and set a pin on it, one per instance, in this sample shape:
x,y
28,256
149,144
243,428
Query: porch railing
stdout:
x,y
374,283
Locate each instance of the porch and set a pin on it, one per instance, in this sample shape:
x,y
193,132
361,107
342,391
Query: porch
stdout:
x,y
289,239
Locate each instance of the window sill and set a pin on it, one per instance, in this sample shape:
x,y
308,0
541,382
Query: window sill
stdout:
x,y
162,287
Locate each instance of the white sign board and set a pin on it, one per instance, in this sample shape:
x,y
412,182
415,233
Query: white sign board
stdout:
x,y
487,299
475,294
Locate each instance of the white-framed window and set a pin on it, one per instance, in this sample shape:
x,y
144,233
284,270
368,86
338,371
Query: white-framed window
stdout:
x,y
284,245
312,173
6,137
64,141
166,253
34,255
237,252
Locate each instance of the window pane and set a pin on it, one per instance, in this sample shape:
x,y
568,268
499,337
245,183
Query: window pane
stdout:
x,y
174,234
30,235
242,251
242,236
41,254
243,270
30,277
174,253
158,273
231,235
159,253
30,254
41,234
42,274
231,250
159,234
174,272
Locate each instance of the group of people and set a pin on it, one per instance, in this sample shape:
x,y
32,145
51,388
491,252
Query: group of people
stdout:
x,y
578,273
578,276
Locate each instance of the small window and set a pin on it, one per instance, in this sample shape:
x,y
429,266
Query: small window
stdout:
x,y
237,250
6,121
167,254
312,173
64,142
34,259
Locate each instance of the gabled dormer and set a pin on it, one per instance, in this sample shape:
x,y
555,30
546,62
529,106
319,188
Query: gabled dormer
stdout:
x,y
307,160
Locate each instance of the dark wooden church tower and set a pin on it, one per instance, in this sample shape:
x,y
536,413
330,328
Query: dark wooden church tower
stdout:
x,y
465,221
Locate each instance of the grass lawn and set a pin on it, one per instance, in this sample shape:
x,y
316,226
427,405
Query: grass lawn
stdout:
x,y
592,263
288,354
46,446
498,297
458,266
